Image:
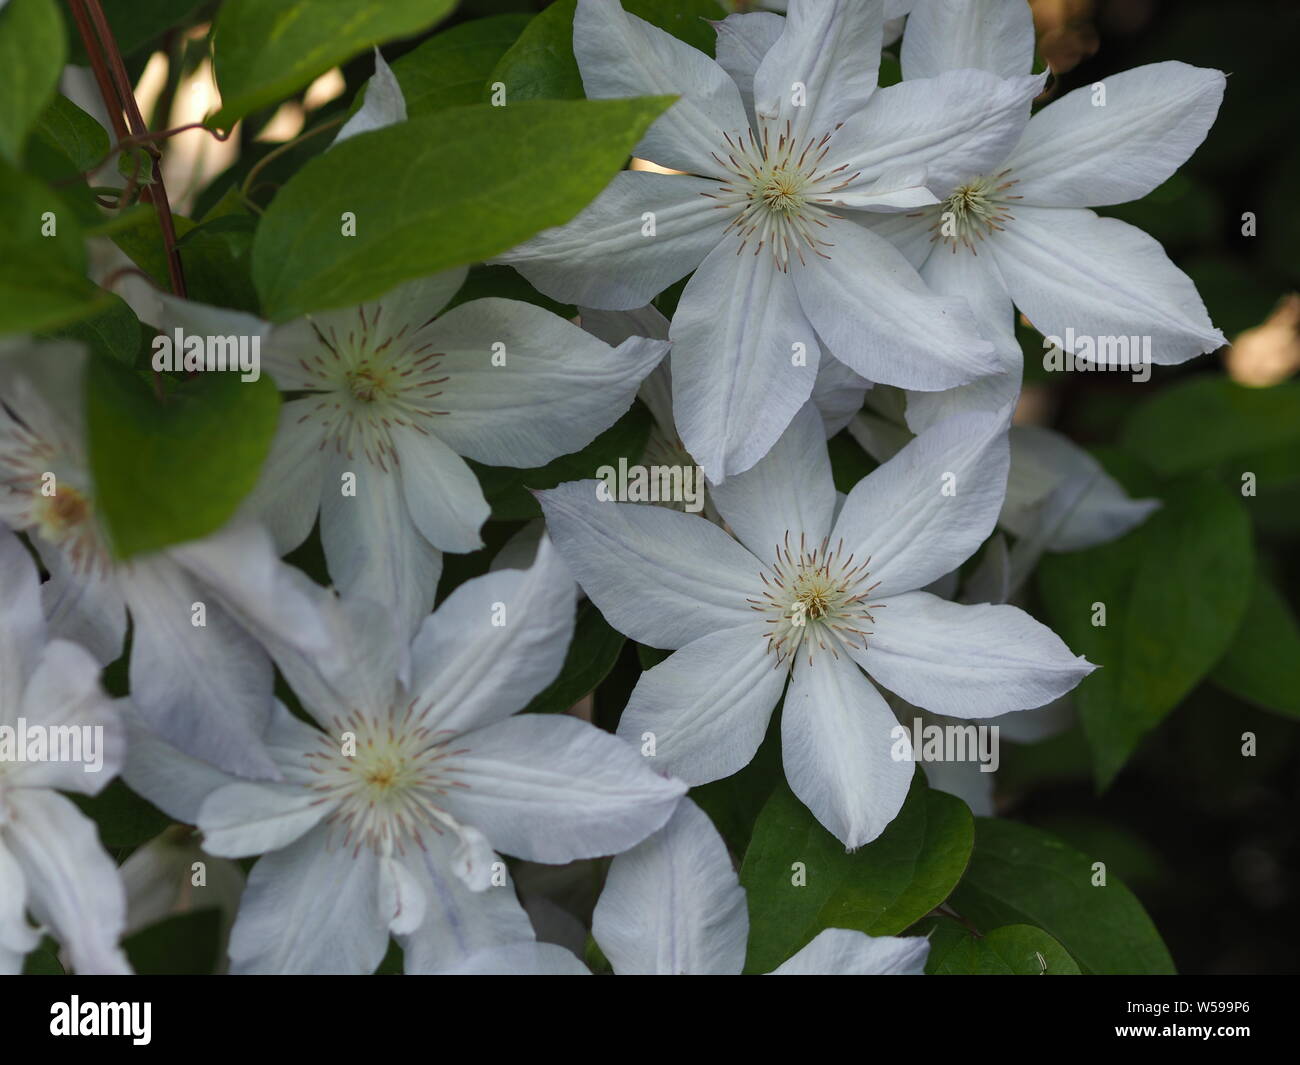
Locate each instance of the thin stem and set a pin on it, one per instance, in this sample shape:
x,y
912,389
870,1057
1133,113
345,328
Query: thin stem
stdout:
x,y
275,153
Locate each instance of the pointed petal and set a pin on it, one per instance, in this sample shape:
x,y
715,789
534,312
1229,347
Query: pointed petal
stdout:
x,y
85,608
673,905
73,885
877,316
442,493
842,952
622,55
22,624
836,744
493,644
992,35
1076,153
286,498
528,411
550,788
662,577
743,41
789,493
926,510
1103,278
384,103
967,661
744,358
244,819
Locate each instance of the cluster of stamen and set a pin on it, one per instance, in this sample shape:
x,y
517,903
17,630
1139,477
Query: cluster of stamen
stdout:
x,y
369,381
387,792
976,210
780,192
815,599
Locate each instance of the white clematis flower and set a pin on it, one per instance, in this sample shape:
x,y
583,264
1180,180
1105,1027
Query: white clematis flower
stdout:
x,y
766,216
51,861
673,905
394,394
390,810
206,688
1019,231
817,594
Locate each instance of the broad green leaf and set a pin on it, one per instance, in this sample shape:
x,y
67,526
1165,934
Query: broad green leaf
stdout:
x,y
140,238
266,50
66,128
114,331
169,472
879,889
31,57
592,654
1263,663
452,68
454,187
43,282
1012,950
508,490
1208,420
1173,592
1019,875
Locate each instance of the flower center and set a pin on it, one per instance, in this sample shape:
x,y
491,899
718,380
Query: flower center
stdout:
x,y
370,379
974,212
388,780
814,599
780,192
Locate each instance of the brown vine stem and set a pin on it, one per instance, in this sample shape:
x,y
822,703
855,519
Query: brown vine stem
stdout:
x,y
119,99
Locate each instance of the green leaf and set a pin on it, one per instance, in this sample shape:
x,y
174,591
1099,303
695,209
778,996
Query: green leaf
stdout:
x,y
507,490
1012,950
452,68
124,819
1173,591
66,128
136,23
43,280
592,654
501,174
1208,420
113,331
879,889
1262,665
1019,875
266,50
186,944
31,56
170,472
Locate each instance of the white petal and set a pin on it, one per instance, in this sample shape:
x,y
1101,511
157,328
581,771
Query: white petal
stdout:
x,y
286,498
877,316
1076,153
401,897
311,908
838,394
550,788
558,389
673,905
244,818
992,35
458,922
519,959
73,885
384,104
372,545
17,936
706,706
609,256
743,41
170,779
744,358
662,577
926,510
842,952
86,609
64,693
206,689
622,55
1102,278
493,644
787,495
836,746
22,625
967,661
948,129
441,491
822,68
